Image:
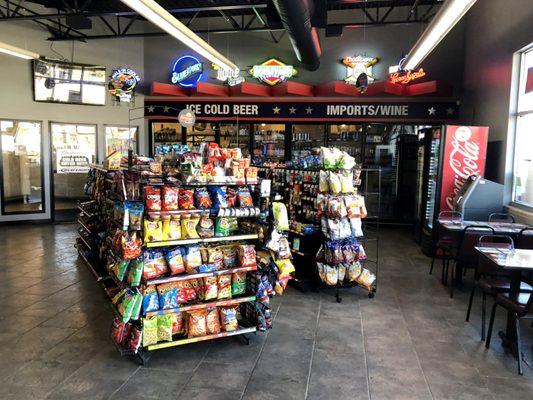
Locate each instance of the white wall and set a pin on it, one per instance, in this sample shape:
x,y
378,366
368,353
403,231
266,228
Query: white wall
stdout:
x,y
495,30
16,90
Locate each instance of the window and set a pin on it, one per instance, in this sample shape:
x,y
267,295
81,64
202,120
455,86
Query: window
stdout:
x,y
523,153
121,139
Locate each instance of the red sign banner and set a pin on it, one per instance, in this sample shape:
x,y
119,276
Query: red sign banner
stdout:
x,y
465,151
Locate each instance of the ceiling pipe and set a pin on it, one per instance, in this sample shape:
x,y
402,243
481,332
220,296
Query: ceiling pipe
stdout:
x,y
296,19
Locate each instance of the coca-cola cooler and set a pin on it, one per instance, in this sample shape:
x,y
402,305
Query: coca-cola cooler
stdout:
x,y
447,156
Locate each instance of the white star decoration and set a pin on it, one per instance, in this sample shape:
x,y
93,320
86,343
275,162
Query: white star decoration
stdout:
x,y
165,109
309,110
292,110
432,111
449,111
276,110
151,109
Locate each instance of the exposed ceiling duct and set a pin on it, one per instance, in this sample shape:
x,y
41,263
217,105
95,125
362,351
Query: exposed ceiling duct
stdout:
x,y
296,19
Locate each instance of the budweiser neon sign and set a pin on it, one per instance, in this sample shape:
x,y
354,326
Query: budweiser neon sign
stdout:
x,y
357,65
273,72
406,77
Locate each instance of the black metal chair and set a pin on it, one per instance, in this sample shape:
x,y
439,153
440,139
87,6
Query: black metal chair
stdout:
x,y
447,242
501,217
521,308
525,239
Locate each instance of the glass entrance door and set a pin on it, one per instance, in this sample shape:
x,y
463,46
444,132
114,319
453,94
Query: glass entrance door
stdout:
x,y
73,149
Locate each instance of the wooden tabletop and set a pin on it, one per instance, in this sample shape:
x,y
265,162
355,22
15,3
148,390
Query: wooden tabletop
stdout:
x,y
499,227
509,259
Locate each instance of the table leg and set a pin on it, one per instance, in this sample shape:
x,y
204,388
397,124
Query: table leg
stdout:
x,y
509,336
458,273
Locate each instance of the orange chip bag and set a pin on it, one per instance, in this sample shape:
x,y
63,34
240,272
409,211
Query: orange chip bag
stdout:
x,y
212,321
197,323
224,286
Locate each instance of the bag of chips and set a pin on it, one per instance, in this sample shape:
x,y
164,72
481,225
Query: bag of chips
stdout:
x,y
186,199
164,328
219,196
212,321
352,206
233,225
281,218
205,227
245,198
175,261
247,255
347,182
170,198
354,270
284,250
336,208
150,299
168,295
348,253
334,229
119,330
285,267
230,256
224,286
238,283
231,197
222,227
188,227
331,275
341,272
210,290
334,181
228,317
186,292
152,198
345,230
153,230
149,331
366,278
135,272
135,339
135,210
197,323
192,259
203,200
178,327
120,268
356,227
171,227
215,257
131,245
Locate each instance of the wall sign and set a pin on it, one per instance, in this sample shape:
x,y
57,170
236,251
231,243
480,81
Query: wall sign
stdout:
x,y
122,84
186,118
273,72
405,77
289,110
357,65
231,77
72,161
187,71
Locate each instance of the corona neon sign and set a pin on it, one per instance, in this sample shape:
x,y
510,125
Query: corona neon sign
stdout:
x,y
273,72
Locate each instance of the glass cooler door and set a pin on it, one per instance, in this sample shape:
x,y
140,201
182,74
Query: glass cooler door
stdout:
x,y
432,178
348,138
305,138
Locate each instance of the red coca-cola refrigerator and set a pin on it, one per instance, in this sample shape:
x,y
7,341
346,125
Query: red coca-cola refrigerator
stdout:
x,y
447,156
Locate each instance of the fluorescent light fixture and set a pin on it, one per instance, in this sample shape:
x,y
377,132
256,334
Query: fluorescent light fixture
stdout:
x,y
449,14
160,17
17,52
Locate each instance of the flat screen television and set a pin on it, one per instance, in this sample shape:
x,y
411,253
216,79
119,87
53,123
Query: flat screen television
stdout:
x,y
63,82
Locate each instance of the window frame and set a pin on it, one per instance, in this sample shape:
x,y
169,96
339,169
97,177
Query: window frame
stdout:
x,y
136,150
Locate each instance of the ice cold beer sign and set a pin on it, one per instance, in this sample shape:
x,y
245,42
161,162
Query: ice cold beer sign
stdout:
x,y
465,153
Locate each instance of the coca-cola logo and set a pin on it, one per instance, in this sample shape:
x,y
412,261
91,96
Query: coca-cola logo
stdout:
x,y
464,160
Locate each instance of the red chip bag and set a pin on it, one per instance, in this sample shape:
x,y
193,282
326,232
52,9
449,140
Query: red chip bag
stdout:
x,y
170,198
247,255
186,199
152,198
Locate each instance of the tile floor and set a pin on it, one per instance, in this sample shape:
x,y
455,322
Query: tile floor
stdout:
x,y
410,342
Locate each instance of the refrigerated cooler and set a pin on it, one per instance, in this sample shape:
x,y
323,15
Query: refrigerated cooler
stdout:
x,y
447,156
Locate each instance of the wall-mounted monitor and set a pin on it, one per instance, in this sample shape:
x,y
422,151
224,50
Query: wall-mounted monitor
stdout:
x,y
63,82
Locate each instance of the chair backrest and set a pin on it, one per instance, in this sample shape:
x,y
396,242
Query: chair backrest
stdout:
x,y
469,239
525,239
484,266
454,216
501,217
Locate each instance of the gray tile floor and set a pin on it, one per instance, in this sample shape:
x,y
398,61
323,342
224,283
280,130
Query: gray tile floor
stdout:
x,y
410,342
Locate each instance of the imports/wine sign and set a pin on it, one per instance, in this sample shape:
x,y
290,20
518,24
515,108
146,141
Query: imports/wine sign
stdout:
x,y
464,155
291,110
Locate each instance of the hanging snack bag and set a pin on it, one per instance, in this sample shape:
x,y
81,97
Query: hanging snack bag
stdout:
x,y
152,198
178,327
323,182
285,267
238,283
197,323
230,256
171,227
170,198
231,197
186,199
284,250
202,198
215,257
361,255
334,181
345,229
149,335
354,270
224,286
135,272
205,227
192,259
245,198
119,330
247,255
336,207
228,317
120,268
222,227
219,196
164,328
334,229
322,204
328,159
331,275
366,278
281,218
150,299
134,341
348,253
321,271
210,291
346,162
188,227
347,182
168,296
341,272
352,206
153,230
131,245
212,321
356,227
136,211
175,261
273,243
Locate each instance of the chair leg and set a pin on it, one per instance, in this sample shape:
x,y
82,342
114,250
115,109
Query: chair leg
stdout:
x,y
432,264
483,314
491,325
452,276
443,271
518,344
470,303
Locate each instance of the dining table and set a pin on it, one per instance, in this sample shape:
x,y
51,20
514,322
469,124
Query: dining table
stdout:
x,y
500,228
516,262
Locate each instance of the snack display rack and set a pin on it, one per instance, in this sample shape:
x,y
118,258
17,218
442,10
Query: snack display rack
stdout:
x,y
160,298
